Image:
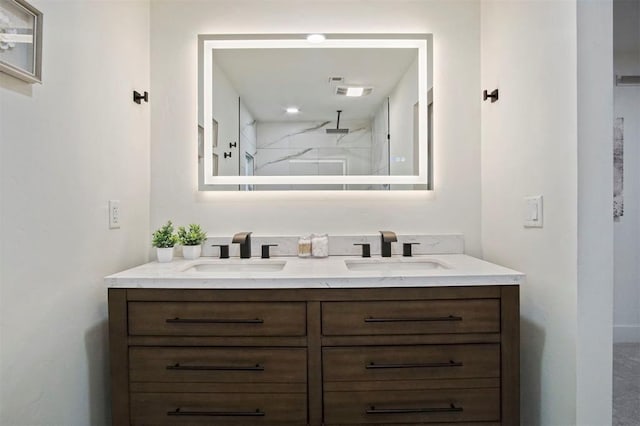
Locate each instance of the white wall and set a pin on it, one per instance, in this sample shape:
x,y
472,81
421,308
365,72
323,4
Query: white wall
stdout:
x,y
401,126
454,206
529,148
225,109
627,230
67,147
594,360
536,141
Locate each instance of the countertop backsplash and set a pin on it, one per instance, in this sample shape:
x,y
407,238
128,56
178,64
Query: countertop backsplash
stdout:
x,y
341,245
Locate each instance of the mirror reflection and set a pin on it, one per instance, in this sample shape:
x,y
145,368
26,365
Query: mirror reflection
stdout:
x,y
313,117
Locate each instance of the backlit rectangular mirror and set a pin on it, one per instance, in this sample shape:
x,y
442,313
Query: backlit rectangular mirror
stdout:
x,y
345,112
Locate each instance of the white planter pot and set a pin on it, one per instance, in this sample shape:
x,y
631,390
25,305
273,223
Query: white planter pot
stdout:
x,y
191,252
164,254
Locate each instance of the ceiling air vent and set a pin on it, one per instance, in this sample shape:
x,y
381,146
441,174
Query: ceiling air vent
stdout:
x,y
336,80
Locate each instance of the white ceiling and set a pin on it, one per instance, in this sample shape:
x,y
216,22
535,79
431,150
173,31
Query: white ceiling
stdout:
x,y
270,80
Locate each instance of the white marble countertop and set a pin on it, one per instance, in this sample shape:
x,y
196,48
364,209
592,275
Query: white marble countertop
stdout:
x,y
330,272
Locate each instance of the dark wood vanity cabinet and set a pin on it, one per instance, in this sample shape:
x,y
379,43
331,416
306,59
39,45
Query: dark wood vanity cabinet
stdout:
x,y
432,355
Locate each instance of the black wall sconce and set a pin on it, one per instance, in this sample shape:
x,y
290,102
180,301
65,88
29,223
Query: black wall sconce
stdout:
x,y
227,155
233,144
493,95
137,97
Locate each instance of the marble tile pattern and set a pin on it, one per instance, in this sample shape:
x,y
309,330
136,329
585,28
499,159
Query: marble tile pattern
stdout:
x,y
626,384
280,142
248,138
341,245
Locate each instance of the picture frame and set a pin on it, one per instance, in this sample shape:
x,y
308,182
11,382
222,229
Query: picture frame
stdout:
x,y
21,40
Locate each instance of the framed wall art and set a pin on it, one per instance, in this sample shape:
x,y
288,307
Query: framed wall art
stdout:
x,y
618,169
21,40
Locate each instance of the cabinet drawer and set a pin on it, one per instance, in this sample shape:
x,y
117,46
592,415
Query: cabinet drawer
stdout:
x,y
217,318
407,407
221,365
411,317
218,409
411,362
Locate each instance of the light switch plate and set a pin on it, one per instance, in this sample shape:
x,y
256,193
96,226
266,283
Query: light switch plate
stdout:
x,y
533,212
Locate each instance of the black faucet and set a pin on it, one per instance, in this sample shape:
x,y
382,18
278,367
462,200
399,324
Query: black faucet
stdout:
x,y
244,239
386,238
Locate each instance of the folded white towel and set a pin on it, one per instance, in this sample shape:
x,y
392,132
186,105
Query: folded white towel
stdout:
x,y
320,245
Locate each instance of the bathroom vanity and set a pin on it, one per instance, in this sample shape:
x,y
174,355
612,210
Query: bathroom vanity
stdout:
x,y
315,342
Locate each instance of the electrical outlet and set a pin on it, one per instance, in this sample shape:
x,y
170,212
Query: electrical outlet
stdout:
x,y
114,214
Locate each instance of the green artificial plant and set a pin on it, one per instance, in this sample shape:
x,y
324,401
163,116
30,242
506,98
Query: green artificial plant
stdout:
x,y
164,237
193,236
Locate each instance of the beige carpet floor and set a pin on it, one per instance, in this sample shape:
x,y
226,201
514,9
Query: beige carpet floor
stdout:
x,y
626,384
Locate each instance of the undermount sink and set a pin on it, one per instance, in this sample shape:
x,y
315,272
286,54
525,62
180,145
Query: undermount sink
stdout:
x,y
237,266
393,265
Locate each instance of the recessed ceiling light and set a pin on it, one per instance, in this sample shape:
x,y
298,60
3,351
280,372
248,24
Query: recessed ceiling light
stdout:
x,y
292,110
353,91
316,38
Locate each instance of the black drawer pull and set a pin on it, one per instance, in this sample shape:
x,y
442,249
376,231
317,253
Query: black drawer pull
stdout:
x,y
213,321
177,366
451,409
179,412
451,363
418,319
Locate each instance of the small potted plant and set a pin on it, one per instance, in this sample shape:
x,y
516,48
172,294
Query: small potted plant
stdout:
x,y
191,240
164,239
